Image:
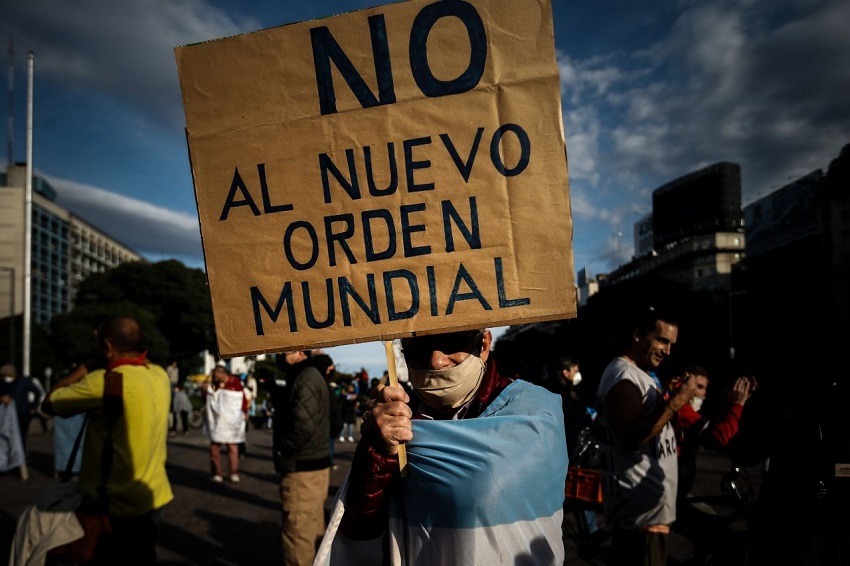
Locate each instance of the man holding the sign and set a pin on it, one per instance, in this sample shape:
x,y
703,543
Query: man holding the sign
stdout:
x,y
476,440
379,174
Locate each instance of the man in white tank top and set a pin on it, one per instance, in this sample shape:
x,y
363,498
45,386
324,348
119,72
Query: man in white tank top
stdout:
x,y
640,449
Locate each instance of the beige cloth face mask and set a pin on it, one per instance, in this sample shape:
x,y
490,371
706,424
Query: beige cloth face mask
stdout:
x,y
448,388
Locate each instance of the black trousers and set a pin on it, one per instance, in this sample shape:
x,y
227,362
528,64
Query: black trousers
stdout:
x,y
184,420
636,547
133,541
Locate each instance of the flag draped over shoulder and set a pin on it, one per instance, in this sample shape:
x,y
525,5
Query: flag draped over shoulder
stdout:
x,y
488,490
11,445
224,416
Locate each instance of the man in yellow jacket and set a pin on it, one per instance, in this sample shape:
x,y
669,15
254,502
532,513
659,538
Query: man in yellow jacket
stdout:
x,y
137,486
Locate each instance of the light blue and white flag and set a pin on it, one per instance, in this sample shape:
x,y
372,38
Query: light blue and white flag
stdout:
x,y
11,444
488,490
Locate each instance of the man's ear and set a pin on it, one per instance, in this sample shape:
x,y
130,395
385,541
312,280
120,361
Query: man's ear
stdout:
x,y
107,347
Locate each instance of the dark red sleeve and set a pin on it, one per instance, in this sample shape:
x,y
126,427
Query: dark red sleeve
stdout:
x,y
233,383
727,427
369,488
687,417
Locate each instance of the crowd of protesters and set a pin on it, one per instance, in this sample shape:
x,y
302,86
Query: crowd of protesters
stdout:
x,y
644,428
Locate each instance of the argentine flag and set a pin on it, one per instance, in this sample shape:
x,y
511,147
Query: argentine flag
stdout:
x,y
488,490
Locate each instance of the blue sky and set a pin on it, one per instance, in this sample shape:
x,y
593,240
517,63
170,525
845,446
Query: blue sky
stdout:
x,y
650,91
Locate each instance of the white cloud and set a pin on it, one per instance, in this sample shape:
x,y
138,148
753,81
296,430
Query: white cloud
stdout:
x,y
153,231
722,86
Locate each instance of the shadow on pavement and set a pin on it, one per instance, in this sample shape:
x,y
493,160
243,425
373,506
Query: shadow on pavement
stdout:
x,y
236,541
187,477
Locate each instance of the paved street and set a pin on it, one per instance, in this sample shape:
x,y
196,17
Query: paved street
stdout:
x,y
225,524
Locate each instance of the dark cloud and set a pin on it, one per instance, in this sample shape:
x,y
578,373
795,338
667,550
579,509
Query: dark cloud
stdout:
x,y
754,83
120,50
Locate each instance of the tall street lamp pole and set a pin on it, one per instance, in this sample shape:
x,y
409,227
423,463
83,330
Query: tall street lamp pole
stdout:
x,y
11,272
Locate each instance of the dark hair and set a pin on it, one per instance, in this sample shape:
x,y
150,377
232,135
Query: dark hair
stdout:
x,y
321,362
695,369
645,320
567,362
124,333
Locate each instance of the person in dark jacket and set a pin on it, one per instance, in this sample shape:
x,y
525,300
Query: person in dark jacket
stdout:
x,y
325,364
301,454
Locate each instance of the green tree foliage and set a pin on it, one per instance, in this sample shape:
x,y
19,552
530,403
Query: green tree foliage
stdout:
x,y
73,332
176,297
12,338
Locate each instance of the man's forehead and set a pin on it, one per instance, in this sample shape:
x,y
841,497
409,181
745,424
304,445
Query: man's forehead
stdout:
x,y
665,329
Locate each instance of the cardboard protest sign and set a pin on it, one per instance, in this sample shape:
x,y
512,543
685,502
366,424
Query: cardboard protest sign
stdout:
x,y
390,171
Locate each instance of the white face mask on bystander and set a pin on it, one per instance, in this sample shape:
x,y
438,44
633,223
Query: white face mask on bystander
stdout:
x,y
696,403
448,388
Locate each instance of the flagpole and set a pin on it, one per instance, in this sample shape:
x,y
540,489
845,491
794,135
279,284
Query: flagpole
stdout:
x,y
10,120
28,226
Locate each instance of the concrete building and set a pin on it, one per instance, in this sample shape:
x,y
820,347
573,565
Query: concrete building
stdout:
x,y
696,228
643,236
694,237
65,249
758,279
834,220
587,285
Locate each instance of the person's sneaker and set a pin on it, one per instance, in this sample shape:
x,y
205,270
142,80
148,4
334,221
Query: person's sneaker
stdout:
x,y
351,439
342,439
217,479
234,478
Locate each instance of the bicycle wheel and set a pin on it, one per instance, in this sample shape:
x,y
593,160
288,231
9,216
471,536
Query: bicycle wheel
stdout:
x,y
196,419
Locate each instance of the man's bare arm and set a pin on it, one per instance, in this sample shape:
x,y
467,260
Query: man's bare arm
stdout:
x,y
79,373
624,408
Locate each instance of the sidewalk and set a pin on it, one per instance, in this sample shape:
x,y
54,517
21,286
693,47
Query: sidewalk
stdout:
x,y
225,524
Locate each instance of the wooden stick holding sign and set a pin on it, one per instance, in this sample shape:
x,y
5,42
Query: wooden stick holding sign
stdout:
x,y
393,374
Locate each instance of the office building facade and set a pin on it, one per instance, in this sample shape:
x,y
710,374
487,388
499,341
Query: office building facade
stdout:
x,y
65,249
